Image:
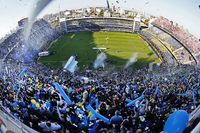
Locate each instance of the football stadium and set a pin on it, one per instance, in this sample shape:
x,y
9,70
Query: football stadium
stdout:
x,y
84,44
99,67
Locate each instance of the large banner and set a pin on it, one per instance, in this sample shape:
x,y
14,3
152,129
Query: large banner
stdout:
x,y
71,64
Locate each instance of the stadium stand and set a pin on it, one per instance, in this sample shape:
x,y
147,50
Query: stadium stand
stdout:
x,y
180,53
31,100
159,47
14,125
189,41
15,48
100,24
40,103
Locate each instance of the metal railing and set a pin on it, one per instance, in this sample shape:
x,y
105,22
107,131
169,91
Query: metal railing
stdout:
x,y
195,113
196,129
14,124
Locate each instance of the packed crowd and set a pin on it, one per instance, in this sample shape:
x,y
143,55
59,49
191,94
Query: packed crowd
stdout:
x,y
100,24
181,54
159,47
166,37
15,47
34,99
8,43
190,41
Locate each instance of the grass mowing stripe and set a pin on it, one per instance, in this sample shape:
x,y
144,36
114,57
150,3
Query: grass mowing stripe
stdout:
x,y
120,47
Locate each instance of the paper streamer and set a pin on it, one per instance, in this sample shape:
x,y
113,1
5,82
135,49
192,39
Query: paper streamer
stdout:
x,y
106,120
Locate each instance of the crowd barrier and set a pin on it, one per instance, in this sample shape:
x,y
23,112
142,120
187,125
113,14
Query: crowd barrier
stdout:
x,y
196,129
13,124
195,113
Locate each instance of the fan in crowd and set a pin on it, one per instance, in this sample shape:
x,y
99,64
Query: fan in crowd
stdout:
x,y
103,103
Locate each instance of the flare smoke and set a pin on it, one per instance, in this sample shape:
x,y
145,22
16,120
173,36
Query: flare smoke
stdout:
x,y
40,5
99,62
132,60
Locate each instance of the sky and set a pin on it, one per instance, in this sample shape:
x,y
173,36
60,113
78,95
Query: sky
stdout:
x,y
184,12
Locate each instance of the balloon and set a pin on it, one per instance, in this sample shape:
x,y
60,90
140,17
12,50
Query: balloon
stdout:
x,y
63,94
92,117
33,101
79,111
156,90
134,101
97,103
128,100
177,122
183,94
21,75
89,114
106,120
84,119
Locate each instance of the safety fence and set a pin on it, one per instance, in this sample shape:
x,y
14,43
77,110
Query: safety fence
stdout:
x,y
14,124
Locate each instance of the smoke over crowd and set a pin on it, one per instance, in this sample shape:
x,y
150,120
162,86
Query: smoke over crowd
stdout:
x,y
100,60
132,60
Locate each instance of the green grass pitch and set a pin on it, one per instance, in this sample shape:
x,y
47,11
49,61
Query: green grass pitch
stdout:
x,y
120,47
